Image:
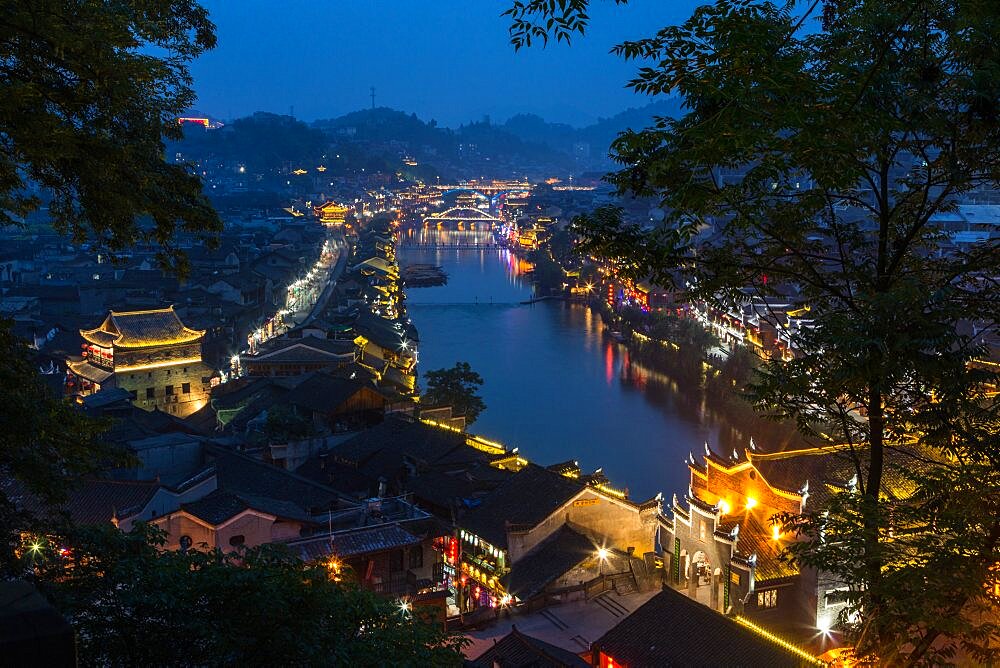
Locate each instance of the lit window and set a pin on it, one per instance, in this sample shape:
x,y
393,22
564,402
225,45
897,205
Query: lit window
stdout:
x,y
767,599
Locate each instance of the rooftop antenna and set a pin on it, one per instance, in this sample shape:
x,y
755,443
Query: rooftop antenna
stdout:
x,y
373,96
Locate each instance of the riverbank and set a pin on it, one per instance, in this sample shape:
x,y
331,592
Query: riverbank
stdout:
x,y
719,380
556,385
714,383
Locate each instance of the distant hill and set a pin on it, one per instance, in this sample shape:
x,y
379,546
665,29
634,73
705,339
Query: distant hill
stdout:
x,y
599,136
377,139
383,125
263,141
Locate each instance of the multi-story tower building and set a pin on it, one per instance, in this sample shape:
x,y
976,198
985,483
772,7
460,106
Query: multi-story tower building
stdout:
x,y
150,354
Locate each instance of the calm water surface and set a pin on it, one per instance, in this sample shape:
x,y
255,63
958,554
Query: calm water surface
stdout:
x,y
555,385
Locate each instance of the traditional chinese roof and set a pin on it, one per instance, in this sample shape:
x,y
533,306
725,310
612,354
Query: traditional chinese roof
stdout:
x,y
756,538
813,473
305,350
92,501
323,393
671,629
221,505
517,650
354,542
85,369
526,498
251,478
547,562
141,329
824,466
384,449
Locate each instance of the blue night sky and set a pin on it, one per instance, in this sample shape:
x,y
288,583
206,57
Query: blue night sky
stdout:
x,y
444,59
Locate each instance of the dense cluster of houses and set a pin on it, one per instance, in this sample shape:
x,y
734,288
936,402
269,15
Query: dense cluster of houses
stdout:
x,y
319,443
51,289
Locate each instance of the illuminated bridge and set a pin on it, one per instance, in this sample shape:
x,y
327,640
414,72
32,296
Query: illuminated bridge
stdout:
x,y
488,188
462,217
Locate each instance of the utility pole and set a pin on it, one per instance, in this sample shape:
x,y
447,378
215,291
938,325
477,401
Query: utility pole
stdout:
x,y
373,96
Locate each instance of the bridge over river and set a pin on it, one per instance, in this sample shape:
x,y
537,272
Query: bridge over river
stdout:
x,y
416,244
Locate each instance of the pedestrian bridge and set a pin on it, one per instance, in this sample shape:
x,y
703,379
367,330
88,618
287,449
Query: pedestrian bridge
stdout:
x,y
435,245
462,217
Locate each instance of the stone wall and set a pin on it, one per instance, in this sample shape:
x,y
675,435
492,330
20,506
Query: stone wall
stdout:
x,y
164,387
621,524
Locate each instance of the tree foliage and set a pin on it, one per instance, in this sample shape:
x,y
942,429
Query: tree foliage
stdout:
x,y
134,604
456,387
89,91
46,445
284,423
532,21
811,165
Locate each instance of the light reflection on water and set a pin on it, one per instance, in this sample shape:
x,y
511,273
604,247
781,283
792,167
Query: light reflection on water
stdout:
x,y
556,386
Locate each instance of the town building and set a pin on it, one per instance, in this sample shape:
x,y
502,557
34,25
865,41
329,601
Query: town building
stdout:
x,y
722,544
294,357
542,530
519,650
151,354
331,213
672,630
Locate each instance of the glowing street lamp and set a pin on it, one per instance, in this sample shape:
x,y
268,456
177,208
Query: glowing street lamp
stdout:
x,y
602,556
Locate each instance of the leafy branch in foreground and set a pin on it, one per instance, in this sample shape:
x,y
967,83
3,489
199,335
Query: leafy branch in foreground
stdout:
x,y
88,107
133,603
811,166
532,21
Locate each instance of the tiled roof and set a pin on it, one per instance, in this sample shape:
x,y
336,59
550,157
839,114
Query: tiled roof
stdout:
x,y
756,537
306,349
445,488
247,477
834,465
547,561
92,500
526,498
137,329
92,373
221,505
341,477
215,508
673,630
323,393
354,542
384,449
517,650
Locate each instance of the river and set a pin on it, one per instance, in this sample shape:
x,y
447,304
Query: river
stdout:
x,y
555,385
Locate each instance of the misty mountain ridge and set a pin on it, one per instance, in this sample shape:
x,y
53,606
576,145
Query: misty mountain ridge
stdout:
x,y
524,130
375,139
